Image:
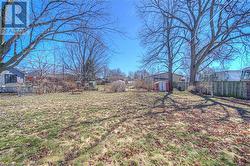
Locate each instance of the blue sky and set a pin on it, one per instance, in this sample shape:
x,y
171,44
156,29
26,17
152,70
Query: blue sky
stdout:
x,y
127,48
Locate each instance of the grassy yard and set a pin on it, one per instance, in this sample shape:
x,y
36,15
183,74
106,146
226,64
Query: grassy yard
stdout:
x,y
131,128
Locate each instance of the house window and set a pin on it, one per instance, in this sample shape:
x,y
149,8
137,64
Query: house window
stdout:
x,y
9,78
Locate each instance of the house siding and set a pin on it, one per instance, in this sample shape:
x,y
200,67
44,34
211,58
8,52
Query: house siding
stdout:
x,y
228,76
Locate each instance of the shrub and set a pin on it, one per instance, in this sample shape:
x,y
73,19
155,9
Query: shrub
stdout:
x,y
201,88
141,84
118,86
192,89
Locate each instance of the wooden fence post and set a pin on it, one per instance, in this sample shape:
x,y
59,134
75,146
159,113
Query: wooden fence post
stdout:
x,y
222,88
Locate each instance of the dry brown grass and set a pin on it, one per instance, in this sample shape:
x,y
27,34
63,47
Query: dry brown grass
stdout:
x,y
128,128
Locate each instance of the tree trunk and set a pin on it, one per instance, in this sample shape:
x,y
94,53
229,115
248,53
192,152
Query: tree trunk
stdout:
x,y
170,81
170,75
193,73
193,60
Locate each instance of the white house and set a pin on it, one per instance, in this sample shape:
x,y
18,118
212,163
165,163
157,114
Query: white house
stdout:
x,y
233,75
228,75
11,78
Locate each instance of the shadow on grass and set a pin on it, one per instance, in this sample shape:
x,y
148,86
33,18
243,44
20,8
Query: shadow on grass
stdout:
x,y
235,101
123,117
76,153
209,101
244,114
163,102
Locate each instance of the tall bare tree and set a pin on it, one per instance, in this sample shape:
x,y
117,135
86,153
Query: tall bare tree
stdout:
x,y
50,20
161,36
87,57
215,28
39,66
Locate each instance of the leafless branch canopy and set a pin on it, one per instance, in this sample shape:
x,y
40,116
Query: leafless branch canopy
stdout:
x,y
86,57
50,20
213,30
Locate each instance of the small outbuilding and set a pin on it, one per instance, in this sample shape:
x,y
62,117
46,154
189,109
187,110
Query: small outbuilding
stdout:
x,y
161,81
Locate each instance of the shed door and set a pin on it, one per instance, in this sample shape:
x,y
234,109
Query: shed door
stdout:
x,y
162,86
164,89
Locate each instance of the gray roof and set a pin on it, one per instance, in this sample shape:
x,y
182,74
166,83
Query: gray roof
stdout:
x,y
16,71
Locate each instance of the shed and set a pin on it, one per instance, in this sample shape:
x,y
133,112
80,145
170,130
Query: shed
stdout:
x,y
160,81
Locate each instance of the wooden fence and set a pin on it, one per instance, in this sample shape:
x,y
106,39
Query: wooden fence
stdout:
x,y
237,89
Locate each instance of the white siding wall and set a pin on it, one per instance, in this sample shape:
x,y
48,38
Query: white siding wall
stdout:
x,y
235,76
229,76
162,86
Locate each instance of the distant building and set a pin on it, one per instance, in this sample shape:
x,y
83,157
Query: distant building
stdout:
x,y
228,75
10,79
161,81
232,75
11,76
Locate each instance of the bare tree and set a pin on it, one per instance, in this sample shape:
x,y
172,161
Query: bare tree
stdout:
x,y
39,65
161,36
87,57
215,29
115,75
50,20
139,75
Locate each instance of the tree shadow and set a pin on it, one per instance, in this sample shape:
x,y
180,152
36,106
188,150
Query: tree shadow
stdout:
x,y
208,102
165,102
236,101
73,124
244,114
161,102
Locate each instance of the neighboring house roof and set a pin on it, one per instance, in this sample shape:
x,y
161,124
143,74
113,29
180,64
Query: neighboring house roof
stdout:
x,y
33,73
229,71
247,68
37,74
233,71
16,71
